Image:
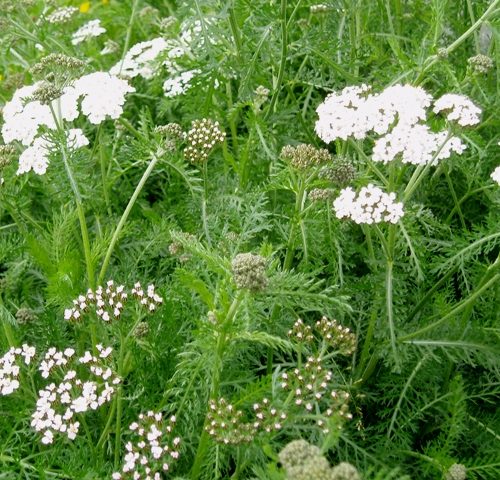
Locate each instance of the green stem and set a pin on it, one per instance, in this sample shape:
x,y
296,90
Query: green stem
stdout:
x,y
465,197
124,217
284,52
455,199
233,23
389,291
431,61
129,33
290,247
461,306
119,405
420,172
204,198
78,200
215,382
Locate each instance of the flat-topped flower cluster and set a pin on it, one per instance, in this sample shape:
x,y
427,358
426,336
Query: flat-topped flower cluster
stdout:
x,y
98,96
398,115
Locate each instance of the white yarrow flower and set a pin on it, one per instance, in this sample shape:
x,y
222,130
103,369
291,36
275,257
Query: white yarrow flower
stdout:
x,y
139,60
459,108
370,205
179,84
91,29
103,95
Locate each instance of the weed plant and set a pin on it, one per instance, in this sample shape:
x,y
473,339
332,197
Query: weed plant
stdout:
x,y
250,240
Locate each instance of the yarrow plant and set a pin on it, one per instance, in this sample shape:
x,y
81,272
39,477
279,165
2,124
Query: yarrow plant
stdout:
x,y
10,369
370,205
153,450
59,404
308,194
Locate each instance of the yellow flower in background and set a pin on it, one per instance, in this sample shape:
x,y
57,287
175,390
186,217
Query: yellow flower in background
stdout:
x,y
105,2
84,7
1,77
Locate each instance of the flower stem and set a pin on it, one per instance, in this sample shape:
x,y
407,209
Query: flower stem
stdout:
x,y
126,213
215,382
284,52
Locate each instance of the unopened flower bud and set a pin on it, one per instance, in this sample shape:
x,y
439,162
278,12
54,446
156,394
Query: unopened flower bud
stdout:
x,y
249,271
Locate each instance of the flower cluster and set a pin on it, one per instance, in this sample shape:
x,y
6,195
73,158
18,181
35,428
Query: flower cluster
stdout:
x,y
249,271
495,175
152,451
203,136
416,144
91,29
341,173
109,301
267,417
300,332
305,156
370,205
480,63
312,387
36,157
320,194
396,114
179,84
336,335
9,368
62,15
102,95
459,108
149,299
303,461
456,472
319,8
225,423
58,404
140,59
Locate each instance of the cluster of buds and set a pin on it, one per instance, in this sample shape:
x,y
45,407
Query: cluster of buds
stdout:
x,y
320,194
203,136
480,64
59,404
225,424
172,133
312,388
301,332
6,154
149,299
267,417
249,271
456,472
58,69
46,93
341,173
176,248
26,315
108,302
303,461
305,156
337,336
9,367
152,450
